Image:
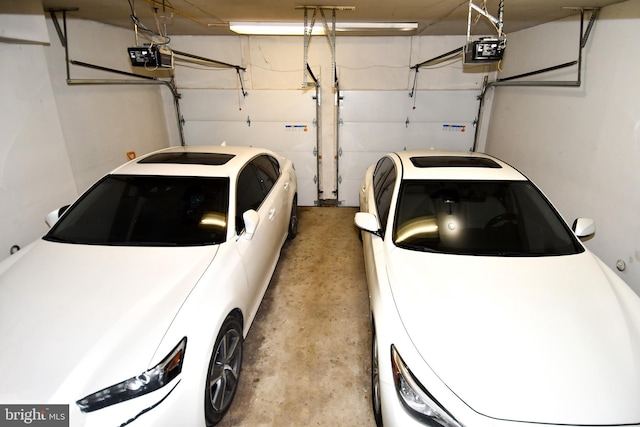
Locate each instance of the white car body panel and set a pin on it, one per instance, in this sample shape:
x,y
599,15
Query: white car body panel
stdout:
x,y
561,318
122,309
502,341
78,318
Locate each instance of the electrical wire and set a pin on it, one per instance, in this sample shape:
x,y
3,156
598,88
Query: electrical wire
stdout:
x,y
484,8
165,39
437,21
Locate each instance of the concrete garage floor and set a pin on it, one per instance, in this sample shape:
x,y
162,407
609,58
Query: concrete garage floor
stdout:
x,y
307,355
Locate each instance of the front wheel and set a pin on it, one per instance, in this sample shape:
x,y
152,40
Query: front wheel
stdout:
x,y
293,220
224,371
375,381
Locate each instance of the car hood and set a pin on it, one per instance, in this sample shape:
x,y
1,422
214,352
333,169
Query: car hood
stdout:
x,y
538,339
77,318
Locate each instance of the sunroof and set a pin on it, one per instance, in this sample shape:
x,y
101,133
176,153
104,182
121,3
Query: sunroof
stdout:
x,y
189,158
453,162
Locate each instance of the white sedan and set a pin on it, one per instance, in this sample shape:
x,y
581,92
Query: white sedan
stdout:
x,y
486,308
133,308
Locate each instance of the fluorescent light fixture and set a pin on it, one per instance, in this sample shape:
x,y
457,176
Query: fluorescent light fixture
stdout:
x,y
376,26
272,28
297,29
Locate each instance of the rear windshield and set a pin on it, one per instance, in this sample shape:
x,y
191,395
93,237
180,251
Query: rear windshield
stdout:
x,y
504,218
148,211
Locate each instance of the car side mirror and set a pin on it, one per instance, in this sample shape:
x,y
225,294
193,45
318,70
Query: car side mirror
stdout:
x,y
584,228
53,216
251,220
367,222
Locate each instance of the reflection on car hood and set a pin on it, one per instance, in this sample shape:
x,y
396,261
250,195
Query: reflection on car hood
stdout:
x,y
77,317
544,339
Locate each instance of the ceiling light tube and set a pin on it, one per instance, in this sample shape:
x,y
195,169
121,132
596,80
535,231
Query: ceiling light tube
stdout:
x,y
376,26
297,29
272,28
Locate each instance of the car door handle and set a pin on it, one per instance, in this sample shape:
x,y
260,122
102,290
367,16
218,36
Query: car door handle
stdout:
x,y
286,185
272,213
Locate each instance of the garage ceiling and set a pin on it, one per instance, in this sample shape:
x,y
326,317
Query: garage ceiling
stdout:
x,y
212,17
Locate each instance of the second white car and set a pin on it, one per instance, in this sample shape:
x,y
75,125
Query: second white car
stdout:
x,y
486,308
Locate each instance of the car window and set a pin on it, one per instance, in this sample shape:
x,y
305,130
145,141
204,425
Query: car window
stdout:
x,y
254,184
267,170
480,218
148,211
381,171
383,184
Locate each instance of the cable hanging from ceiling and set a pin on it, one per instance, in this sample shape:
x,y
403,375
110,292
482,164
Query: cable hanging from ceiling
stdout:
x,y
138,25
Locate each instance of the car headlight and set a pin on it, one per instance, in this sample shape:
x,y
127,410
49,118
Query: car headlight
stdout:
x,y
415,398
150,380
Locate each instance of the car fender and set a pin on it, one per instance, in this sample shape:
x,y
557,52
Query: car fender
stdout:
x,y
200,319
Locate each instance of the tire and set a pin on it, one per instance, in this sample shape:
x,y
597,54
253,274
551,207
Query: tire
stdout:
x,y
293,220
223,374
376,402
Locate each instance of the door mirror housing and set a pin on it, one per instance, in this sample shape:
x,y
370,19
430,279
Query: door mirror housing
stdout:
x,y
251,221
367,222
584,228
53,216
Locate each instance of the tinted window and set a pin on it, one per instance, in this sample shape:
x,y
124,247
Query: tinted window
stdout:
x,y
383,183
480,218
380,173
148,211
268,171
454,162
254,184
189,158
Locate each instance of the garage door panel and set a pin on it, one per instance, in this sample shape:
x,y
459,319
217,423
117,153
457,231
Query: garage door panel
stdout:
x,y
274,136
387,137
259,105
279,120
203,104
296,145
305,164
397,106
353,165
350,191
440,120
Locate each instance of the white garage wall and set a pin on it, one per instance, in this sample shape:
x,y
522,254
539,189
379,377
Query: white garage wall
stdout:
x,y
56,139
35,174
102,123
581,145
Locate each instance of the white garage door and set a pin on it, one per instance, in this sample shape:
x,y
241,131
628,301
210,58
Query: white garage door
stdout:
x,y
282,121
373,123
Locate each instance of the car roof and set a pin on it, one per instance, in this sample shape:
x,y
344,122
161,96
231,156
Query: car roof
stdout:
x,y
214,161
440,164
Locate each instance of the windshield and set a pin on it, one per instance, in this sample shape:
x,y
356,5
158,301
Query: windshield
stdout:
x,y
505,218
148,211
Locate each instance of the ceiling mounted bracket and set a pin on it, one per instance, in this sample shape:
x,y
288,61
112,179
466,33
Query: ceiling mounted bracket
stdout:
x,y
595,12
330,32
62,35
